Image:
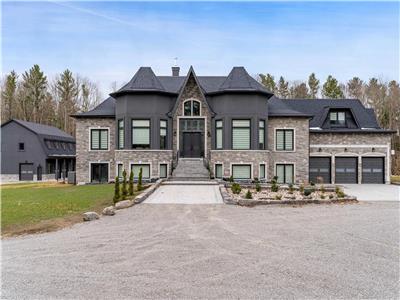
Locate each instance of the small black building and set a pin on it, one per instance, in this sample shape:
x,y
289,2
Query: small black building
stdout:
x,y
32,151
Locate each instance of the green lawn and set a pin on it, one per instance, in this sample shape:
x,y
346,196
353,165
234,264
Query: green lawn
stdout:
x,y
24,206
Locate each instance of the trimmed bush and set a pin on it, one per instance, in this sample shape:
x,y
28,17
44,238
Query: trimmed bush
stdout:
x,y
330,196
291,188
274,186
307,192
117,195
248,195
231,178
278,197
322,189
301,188
124,187
236,189
258,187
139,184
131,184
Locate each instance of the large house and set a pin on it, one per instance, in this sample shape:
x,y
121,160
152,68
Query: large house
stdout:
x,y
32,151
233,125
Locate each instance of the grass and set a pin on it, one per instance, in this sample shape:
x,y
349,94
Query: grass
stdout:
x,y
395,178
28,207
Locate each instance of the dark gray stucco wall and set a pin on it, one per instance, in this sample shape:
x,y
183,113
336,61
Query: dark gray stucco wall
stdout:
x,y
228,107
12,134
145,106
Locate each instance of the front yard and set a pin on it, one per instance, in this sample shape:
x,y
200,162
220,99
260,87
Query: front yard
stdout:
x,y
28,208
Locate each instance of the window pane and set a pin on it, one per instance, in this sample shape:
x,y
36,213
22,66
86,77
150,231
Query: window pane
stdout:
x,y
104,139
163,124
141,123
261,123
163,131
241,138
218,171
218,124
280,172
341,116
288,173
145,170
163,171
95,139
289,140
261,138
241,171
141,136
333,116
262,171
219,139
120,170
196,108
187,108
241,123
280,140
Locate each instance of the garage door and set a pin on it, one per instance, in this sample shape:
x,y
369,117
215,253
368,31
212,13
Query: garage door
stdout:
x,y
346,169
25,171
320,168
373,170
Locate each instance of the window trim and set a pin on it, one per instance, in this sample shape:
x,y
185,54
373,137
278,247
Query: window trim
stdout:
x,y
222,133
118,132
90,138
99,162
232,164
262,163
191,107
222,169
232,128
166,133
293,141
286,163
149,127
264,129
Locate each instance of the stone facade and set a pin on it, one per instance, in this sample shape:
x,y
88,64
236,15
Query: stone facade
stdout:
x,y
352,145
232,157
299,157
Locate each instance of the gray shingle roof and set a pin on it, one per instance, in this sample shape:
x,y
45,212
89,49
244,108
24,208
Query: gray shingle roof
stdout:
x,y
104,109
278,108
42,129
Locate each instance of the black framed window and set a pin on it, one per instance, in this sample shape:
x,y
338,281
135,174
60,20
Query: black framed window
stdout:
x,y
121,134
262,171
21,146
285,173
284,140
218,134
261,135
218,170
163,170
163,134
191,108
140,134
337,118
241,134
120,170
98,139
241,171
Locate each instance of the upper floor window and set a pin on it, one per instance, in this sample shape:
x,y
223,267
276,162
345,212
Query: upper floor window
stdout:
x,y
99,139
218,134
241,134
163,134
191,108
284,140
140,134
21,146
261,135
337,118
121,135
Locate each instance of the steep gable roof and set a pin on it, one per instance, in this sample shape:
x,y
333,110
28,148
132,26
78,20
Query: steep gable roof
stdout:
x,y
104,109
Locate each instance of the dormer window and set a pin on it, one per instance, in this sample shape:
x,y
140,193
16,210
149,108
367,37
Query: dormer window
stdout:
x,y
337,118
191,108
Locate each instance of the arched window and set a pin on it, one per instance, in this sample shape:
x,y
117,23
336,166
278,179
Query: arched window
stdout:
x,y
191,108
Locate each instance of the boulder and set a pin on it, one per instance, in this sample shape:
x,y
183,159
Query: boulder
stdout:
x,y
90,216
123,204
109,211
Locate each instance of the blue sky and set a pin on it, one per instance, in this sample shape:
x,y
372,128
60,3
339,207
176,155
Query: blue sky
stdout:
x,y
108,41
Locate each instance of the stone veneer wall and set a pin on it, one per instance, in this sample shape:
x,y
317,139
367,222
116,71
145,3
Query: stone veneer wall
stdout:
x,y
352,144
300,156
84,156
192,91
228,157
154,157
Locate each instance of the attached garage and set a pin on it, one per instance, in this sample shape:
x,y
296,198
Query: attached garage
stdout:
x,y
320,168
373,170
346,170
26,171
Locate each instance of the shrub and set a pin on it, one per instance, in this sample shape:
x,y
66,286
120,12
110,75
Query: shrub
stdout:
x,y
339,192
312,183
307,192
291,188
139,184
330,196
231,178
131,184
124,189
322,189
258,187
301,188
249,195
274,185
236,189
117,196
337,189
278,197
322,196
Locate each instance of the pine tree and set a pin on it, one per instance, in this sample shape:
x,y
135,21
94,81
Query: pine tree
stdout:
x,y
131,184
331,88
299,90
8,97
117,195
139,184
124,189
313,86
355,88
268,81
283,88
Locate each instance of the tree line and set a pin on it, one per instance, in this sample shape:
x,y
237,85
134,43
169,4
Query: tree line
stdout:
x,y
32,96
382,96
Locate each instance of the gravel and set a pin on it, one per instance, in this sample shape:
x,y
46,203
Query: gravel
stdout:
x,y
212,251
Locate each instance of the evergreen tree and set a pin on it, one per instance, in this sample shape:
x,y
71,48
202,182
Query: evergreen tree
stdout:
x,y
331,88
268,81
355,88
283,88
124,189
131,184
139,184
299,90
9,97
313,86
117,195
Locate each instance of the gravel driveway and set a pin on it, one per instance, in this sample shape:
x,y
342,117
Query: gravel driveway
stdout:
x,y
213,251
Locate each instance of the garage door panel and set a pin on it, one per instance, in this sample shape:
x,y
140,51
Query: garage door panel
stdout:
x,y
26,172
346,169
320,167
373,170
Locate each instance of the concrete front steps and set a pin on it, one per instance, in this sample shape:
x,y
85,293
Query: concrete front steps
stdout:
x,y
190,171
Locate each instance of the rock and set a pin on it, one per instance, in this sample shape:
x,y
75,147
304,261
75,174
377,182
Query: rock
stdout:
x,y
90,216
109,211
123,204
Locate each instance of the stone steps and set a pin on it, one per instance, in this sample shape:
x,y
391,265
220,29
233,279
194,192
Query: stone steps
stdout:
x,y
190,169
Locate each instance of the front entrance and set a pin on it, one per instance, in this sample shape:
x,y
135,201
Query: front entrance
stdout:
x,y
192,144
99,173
